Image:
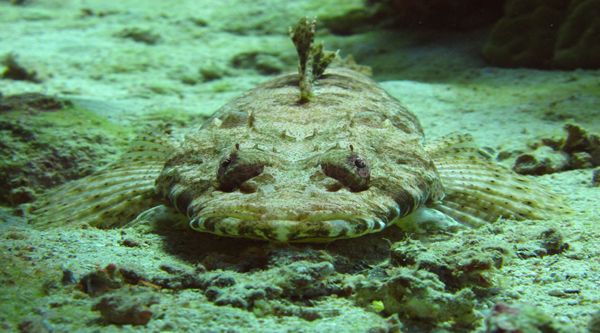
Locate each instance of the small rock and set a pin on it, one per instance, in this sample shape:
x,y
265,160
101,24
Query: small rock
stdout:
x,y
130,242
67,277
264,63
594,323
596,178
15,71
418,294
145,36
557,293
101,281
21,195
540,162
212,71
126,309
581,160
552,241
523,317
577,139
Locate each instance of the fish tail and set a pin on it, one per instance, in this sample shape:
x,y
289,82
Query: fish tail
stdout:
x,y
478,191
113,196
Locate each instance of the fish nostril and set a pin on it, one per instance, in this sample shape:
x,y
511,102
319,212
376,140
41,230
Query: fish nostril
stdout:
x,y
255,184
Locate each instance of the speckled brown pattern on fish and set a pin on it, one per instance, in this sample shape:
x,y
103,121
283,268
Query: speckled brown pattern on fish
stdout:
x,y
344,160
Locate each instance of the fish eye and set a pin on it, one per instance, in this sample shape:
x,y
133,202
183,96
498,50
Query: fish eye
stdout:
x,y
352,170
235,169
359,163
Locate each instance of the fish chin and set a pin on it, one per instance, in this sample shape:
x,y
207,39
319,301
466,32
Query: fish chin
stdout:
x,y
307,230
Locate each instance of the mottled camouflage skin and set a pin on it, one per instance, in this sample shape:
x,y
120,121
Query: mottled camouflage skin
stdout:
x,y
348,162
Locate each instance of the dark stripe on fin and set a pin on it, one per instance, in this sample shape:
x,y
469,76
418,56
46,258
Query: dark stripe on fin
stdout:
x,y
454,144
111,197
480,192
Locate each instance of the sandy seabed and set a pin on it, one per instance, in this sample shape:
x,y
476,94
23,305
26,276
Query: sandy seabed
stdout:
x,y
134,64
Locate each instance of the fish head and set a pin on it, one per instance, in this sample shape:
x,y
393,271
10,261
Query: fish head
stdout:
x,y
348,162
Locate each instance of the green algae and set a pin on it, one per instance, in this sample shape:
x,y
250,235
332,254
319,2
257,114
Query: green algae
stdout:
x,y
145,36
42,149
32,298
16,71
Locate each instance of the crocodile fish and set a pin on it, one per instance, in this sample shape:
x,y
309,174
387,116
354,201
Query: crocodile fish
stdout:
x,y
321,154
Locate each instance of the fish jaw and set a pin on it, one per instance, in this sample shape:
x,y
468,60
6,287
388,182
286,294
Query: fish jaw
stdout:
x,y
293,216
290,231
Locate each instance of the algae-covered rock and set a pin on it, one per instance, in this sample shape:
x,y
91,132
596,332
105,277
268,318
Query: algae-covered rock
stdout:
x,y
594,324
579,140
553,241
441,14
596,178
263,63
340,16
298,280
541,161
145,36
100,281
123,308
468,261
47,141
579,150
32,102
526,35
546,34
419,295
16,71
578,41
524,318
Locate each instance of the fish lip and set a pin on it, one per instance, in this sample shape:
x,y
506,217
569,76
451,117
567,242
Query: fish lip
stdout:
x,y
251,216
327,227
387,213
304,214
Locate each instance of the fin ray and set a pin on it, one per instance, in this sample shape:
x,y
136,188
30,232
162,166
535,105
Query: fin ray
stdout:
x,y
479,192
113,196
454,144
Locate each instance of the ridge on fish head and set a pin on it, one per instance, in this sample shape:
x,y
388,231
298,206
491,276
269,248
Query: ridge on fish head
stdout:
x,y
348,162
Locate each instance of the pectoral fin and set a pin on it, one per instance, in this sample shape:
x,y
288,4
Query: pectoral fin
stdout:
x,y
478,191
111,197
425,220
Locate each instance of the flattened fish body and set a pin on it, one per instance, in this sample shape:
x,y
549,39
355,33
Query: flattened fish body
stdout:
x,y
349,162
309,156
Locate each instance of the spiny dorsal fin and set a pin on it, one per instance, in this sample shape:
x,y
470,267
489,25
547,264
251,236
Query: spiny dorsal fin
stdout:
x,y
479,192
113,196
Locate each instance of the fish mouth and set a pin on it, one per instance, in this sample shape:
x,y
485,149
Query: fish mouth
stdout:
x,y
311,228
